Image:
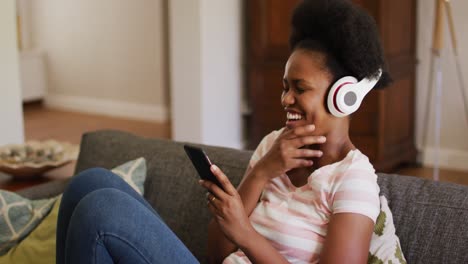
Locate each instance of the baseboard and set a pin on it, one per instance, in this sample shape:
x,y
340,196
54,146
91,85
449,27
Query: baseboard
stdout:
x,y
448,158
114,108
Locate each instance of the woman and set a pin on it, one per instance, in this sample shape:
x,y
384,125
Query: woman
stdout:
x,y
308,195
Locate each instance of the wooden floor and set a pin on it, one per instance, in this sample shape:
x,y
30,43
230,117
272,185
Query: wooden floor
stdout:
x,y
42,123
460,177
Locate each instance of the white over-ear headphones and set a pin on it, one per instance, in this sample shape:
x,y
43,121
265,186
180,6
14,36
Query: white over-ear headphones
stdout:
x,y
347,93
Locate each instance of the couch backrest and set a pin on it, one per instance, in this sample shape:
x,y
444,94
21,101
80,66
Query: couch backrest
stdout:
x,y
431,218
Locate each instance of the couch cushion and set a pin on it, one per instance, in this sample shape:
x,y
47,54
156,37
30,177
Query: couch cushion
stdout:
x,y
430,218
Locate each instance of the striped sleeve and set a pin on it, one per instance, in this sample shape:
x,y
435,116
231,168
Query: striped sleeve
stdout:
x,y
357,192
264,147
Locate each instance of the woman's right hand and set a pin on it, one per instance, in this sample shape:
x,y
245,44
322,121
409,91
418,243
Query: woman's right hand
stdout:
x,y
287,152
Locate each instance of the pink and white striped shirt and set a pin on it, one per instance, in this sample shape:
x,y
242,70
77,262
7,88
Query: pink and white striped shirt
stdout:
x,y
295,219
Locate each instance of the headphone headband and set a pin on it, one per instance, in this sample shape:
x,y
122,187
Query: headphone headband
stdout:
x,y
366,84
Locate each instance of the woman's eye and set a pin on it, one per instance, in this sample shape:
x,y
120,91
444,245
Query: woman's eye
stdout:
x,y
299,90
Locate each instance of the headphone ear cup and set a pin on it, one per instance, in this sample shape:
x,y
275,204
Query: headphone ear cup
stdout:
x,y
336,102
346,95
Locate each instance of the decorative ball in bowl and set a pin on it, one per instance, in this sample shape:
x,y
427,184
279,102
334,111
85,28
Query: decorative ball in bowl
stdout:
x,y
33,158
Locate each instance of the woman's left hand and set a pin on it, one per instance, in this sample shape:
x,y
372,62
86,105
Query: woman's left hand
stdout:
x,y
227,208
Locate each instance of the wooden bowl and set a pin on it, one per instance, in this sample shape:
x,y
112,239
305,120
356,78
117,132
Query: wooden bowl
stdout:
x,y
23,161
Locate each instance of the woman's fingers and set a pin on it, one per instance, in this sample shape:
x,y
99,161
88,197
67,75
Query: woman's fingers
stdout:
x,y
219,193
299,163
306,153
213,188
307,140
224,180
211,199
299,131
214,209
301,136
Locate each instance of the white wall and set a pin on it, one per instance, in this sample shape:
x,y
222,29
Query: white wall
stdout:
x,y
11,112
206,75
103,56
222,71
185,70
454,133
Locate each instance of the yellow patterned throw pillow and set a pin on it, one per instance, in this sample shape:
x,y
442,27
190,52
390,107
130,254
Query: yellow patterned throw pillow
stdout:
x,y
19,216
39,246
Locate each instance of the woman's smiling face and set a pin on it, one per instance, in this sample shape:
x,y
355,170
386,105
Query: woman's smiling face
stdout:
x,y
306,82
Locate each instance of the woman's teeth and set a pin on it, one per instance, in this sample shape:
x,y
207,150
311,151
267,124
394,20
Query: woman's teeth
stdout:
x,y
293,117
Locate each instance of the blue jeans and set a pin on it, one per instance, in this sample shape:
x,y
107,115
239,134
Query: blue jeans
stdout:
x,y
103,220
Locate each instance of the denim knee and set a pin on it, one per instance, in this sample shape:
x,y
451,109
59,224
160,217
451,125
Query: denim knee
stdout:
x,y
104,207
92,177
88,181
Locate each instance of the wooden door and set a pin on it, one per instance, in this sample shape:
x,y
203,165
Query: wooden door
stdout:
x,y
383,128
268,30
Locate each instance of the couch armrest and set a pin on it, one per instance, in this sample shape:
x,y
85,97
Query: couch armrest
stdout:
x,y
45,190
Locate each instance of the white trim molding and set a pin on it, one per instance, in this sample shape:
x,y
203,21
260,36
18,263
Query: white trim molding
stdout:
x,y
11,111
108,107
448,158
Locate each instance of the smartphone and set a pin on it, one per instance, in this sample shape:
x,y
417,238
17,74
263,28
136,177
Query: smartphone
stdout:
x,y
202,163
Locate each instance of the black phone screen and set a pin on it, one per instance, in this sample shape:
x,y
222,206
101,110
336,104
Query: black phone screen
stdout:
x,y
202,163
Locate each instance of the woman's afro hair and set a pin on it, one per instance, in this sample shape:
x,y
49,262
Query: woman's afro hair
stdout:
x,y
345,33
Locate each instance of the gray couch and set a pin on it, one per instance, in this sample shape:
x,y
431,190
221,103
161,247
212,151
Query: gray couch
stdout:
x,y
431,218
